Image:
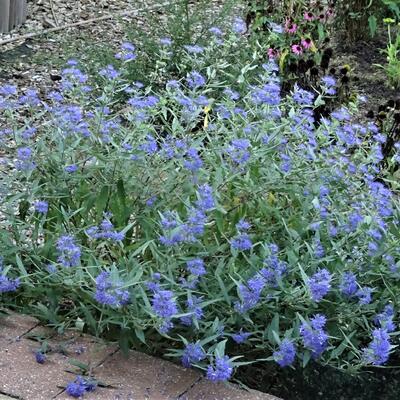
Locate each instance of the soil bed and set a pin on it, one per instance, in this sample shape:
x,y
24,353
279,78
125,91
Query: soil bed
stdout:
x,y
318,382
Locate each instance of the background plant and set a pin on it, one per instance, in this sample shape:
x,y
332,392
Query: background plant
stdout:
x,y
357,19
392,68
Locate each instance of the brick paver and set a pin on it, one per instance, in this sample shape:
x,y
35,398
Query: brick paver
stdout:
x,y
135,376
14,326
153,378
205,390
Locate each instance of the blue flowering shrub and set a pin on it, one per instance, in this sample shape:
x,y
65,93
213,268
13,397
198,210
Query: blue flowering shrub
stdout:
x,y
217,225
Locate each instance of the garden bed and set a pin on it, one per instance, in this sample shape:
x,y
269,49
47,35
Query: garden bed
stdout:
x,y
205,216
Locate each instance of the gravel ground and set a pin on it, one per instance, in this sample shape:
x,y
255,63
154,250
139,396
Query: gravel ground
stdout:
x,y
30,62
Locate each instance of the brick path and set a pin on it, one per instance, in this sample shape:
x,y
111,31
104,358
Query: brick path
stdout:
x,y
136,377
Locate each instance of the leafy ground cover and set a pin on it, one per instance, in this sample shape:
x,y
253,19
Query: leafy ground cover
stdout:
x,y
204,216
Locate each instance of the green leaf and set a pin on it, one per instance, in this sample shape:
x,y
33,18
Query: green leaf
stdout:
x,y
79,364
220,348
140,335
373,24
21,267
101,201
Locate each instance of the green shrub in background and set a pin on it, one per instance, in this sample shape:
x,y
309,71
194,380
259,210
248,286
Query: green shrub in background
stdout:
x,y
392,67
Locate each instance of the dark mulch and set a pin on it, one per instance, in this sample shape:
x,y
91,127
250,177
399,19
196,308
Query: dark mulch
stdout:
x,y
317,382
362,57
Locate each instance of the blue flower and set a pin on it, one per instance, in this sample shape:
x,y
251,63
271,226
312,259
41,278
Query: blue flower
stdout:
x,y
193,162
195,80
286,353
79,386
206,201
222,370
166,326
240,337
193,353
329,81
385,319
69,252
7,284
231,94
142,102
127,53
75,389
269,94
71,168
348,286
40,357
320,284
215,31
314,336
24,159
169,220
166,41
109,72
319,250
274,269
378,350
243,225
30,98
286,164
42,207
194,226
196,267
8,90
250,294
194,49
341,115
194,308
150,146
239,25
241,242
163,304
110,293
301,96
364,295
238,151
105,231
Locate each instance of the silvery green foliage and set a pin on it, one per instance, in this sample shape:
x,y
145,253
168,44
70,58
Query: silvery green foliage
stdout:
x,y
217,218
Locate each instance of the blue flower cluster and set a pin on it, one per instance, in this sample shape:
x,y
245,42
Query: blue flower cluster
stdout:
x,y
222,370
319,284
7,284
105,231
69,251
192,354
80,386
314,336
164,306
286,354
110,293
194,226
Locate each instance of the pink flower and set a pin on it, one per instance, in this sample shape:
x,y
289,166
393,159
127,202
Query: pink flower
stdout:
x,y
308,16
329,13
290,27
307,43
297,49
272,53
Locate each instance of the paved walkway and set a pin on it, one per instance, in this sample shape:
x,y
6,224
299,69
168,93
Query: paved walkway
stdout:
x,y
136,377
